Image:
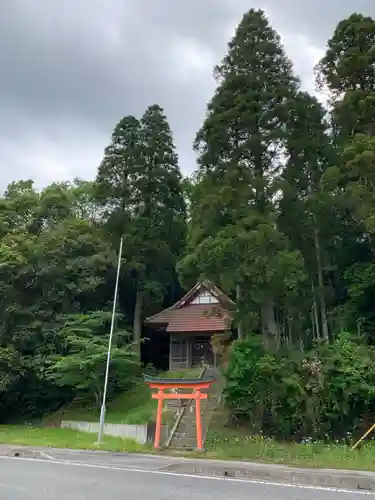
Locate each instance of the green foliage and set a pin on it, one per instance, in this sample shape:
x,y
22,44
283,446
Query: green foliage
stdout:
x,y
358,311
139,184
347,72
327,391
55,261
233,238
10,368
132,407
348,62
238,444
82,367
279,213
58,258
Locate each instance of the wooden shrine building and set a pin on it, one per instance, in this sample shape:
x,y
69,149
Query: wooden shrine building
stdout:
x,y
191,322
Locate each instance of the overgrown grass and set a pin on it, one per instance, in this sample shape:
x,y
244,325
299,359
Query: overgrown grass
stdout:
x,y
229,444
221,444
65,438
137,407
134,407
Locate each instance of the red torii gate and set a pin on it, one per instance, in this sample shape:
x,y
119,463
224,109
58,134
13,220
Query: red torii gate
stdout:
x,y
196,385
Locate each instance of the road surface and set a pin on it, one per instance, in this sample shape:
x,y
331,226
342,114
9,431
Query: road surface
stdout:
x,y
67,479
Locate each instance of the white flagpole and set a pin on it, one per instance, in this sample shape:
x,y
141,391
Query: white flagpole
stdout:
x,y
103,407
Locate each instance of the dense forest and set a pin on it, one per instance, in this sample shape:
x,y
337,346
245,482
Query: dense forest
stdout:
x,y
280,213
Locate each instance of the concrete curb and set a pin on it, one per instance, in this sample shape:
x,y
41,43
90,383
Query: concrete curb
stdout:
x,y
341,479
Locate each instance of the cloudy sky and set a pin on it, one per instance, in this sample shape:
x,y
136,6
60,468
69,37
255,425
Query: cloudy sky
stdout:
x,y
70,69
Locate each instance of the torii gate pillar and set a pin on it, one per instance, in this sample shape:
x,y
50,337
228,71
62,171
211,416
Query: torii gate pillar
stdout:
x,y
196,386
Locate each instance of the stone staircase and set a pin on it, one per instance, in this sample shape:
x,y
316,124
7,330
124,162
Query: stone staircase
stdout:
x,y
184,436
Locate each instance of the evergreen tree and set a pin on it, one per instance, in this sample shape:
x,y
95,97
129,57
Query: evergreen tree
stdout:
x,y
234,237
306,214
118,169
161,188
348,72
140,183
348,64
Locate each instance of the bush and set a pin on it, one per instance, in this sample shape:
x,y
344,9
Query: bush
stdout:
x,y
30,398
328,391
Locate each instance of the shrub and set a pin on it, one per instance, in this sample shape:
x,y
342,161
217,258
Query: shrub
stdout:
x,y
327,391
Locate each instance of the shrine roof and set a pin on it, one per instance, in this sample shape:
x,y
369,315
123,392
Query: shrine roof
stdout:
x,y
190,315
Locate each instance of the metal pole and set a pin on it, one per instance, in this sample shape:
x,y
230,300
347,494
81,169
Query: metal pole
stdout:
x,y
103,408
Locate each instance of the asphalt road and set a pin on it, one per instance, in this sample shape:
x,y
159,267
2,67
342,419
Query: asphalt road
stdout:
x,y
28,479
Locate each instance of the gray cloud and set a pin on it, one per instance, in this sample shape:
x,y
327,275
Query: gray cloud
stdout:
x,y
316,19
70,70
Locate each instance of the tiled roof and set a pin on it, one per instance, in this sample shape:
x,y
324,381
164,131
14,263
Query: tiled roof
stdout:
x,y
198,318
187,317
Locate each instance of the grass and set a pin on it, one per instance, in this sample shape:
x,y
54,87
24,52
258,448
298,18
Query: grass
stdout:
x,y
229,444
65,438
222,444
134,407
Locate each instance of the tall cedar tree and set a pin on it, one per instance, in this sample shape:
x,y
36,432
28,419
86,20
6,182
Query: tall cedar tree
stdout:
x,y
140,183
233,234
348,72
306,213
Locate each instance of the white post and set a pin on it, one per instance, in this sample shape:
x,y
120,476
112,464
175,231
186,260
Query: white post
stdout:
x,y
103,408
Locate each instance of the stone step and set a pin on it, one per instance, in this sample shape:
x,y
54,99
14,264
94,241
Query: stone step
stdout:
x,y
185,435
189,442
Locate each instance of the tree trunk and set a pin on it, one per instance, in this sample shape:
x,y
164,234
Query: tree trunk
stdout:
x,y
322,300
315,313
98,398
239,327
289,325
313,330
269,324
137,323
